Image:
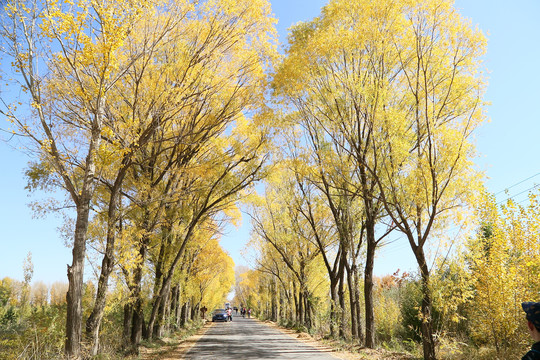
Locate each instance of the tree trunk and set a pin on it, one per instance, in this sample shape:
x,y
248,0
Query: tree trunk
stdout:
x,y
428,342
75,279
75,272
368,287
138,314
126,334
183,314
155,322
174,306
178,307
307,310
352,302
195,313
300,311
357,304
137,325
274,312
341,294
333,305
93,322
157,329
296,306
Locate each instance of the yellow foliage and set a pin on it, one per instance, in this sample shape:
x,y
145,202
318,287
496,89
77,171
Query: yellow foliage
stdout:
x,y
211,276
502,258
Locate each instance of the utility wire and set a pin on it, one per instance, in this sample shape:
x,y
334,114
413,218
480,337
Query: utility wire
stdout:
x,y
524,191
405,245
516,184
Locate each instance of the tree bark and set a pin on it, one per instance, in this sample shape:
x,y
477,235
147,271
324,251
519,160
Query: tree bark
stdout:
x,y
137,322
93,322
333,305
274,312
75,279
307,310
341,294
428,342
158,327
183,316
126,333
368,286
352,302
357,304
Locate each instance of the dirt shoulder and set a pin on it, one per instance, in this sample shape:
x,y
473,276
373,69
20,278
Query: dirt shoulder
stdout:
x,y
173,348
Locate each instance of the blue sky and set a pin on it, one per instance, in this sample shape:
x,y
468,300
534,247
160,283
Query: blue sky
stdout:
x,y
508,145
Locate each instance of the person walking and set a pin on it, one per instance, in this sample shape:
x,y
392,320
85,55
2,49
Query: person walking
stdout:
x,y
532,311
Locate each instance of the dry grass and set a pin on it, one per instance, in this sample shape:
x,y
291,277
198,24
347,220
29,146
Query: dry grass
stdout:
x,y
173,348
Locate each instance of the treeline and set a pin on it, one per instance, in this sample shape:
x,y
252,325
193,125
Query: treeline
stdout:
x,y
150,117
476,288
33,315
378,105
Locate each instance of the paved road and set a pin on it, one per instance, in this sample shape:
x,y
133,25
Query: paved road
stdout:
x,y
246,339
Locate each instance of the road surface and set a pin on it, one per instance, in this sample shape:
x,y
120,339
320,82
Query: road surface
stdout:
x,y
246,339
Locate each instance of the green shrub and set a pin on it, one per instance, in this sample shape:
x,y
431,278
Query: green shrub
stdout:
x,y
411,307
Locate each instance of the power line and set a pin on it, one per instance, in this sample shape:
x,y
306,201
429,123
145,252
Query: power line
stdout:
x,y
524,191
518,183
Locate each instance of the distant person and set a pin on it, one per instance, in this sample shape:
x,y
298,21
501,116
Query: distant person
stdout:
x,y
203,312
229,314
249,313
532,311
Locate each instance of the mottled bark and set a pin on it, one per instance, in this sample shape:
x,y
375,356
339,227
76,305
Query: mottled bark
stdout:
x,y
75,274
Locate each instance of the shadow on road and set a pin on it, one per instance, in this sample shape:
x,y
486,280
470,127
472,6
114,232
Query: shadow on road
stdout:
x,y
249,339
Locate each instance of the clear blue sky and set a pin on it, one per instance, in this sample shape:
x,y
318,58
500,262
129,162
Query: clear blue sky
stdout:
x,y
509,146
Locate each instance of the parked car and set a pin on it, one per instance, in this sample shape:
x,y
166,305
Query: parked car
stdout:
x,y
219,315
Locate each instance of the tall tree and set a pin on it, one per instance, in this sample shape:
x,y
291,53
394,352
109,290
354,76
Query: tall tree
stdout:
x,y
279,224
66,63
338,95
433,107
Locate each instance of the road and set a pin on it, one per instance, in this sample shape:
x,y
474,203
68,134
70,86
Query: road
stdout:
x,y
245,339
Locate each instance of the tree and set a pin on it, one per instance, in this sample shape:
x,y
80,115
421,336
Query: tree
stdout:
x,y
39,294
279,224
398,87
335,75
135,119
208,155
212,275
66,63
502,259
433,106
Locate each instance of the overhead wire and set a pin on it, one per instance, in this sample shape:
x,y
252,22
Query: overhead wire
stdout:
x,y
518,183
405,245
522,192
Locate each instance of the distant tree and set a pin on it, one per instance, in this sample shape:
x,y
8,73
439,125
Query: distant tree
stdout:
x,y
58,293
39,294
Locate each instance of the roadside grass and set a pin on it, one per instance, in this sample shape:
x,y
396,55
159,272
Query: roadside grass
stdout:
x,y
447,348
174,346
